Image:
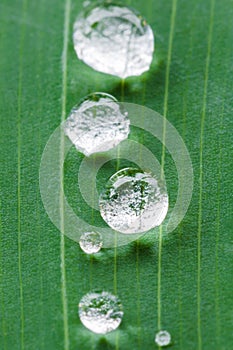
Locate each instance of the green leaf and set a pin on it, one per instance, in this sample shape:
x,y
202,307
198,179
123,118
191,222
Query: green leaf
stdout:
x,y
181,282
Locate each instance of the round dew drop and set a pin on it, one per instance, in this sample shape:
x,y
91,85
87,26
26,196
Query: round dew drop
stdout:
x,y
91,242
114,39
133,201
100,312
97,124
163,338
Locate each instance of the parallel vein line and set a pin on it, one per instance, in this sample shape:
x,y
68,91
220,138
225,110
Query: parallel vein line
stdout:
x,y
217,311
62,240
171,35
40,41
19,111
203,116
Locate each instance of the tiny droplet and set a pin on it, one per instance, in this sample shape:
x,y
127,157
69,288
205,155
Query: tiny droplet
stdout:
x,y
91,242
163,338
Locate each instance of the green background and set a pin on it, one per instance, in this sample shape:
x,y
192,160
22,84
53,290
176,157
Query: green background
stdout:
x,y
183,282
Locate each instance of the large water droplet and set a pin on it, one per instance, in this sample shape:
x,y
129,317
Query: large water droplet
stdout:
x,y
163,338
91,242
100,312
133,201
114,39
97,124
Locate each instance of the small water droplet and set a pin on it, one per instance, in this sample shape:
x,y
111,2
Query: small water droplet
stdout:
x,y
114,39
163,338
100,312
97,124
91,242
133,201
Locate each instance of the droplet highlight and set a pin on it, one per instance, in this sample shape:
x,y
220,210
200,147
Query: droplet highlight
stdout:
x,y
163,338
133,201
97,124
114,39
100,312
91,242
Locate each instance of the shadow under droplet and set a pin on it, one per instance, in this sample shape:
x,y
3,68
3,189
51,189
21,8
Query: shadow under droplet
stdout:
x,y
103,344
132,88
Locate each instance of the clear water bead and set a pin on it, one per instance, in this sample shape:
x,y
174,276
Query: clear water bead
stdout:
x,y
133,201
163,338
91,242
100,312
97,124
114,39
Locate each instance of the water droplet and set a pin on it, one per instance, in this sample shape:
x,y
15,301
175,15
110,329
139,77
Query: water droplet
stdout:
x,y
91,242
97,124
114,39
163,338
100,312
133,201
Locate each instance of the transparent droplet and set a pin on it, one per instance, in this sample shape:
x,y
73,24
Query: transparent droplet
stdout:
x,y
97,124
133,201
100,312
163,338
114,39
91,242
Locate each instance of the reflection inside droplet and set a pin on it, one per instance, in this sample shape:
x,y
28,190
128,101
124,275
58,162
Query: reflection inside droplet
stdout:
x,y
97,124
91,242
133,201
114,39
163,338
100,312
